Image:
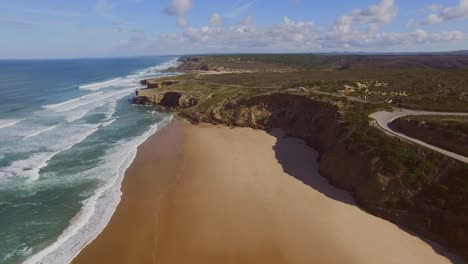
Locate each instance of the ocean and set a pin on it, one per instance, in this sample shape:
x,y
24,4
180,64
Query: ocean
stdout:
x,y
68,131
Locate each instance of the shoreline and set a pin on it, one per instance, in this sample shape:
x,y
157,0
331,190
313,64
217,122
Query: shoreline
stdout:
x,y
161,223
97,210
87,220
161,136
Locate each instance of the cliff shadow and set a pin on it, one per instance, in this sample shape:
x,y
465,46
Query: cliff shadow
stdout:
x,y
438,248
301,162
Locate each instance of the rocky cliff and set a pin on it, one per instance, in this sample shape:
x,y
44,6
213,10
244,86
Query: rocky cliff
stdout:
x,y
357,157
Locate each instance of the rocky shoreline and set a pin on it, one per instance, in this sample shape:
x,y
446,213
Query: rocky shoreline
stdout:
x,y
376,188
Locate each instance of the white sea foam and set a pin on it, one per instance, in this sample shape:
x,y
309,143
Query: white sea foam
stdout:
x,y
132,79
98,209
155,70
166,65
24,168
52,106
30,167
81,110
108,122
37,133
49,142
119,94
76,116
100,85
111,113
9,122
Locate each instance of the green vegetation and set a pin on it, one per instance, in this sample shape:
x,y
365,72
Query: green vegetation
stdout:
x,y
447,132
416,86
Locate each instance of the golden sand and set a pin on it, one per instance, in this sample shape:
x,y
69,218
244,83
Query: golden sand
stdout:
x,y
206,194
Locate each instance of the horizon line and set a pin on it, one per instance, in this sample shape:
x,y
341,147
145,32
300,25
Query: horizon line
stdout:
x,y
447,52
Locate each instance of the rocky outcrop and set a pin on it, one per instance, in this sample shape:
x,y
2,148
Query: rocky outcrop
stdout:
x,y
156,84
169,100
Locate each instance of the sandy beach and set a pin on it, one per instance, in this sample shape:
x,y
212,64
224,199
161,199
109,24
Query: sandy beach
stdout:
x,y
208,194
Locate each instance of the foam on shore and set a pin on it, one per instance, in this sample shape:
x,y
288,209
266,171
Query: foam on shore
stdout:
x,y
97,210
9,122
97,86
99,207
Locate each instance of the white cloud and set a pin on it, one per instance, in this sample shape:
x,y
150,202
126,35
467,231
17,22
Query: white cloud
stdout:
x,y
179,9
373,17
383,39
443,14
358,30
246,21
216,20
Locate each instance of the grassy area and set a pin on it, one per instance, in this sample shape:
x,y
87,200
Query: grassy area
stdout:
x,y
342,62
447,132
413,87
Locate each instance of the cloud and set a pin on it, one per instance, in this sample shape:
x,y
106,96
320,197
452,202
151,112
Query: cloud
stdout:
x,y
361,29
383,39
358,30
179,9
373,17
246,21
443,14
288,35
216,20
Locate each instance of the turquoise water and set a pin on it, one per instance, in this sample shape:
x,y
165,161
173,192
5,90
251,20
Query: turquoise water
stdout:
x,y
67,133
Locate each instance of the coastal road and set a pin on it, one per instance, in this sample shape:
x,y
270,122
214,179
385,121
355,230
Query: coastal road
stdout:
x,y
384,118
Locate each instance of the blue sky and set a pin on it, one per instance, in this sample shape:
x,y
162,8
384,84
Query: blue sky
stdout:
x,y
107,28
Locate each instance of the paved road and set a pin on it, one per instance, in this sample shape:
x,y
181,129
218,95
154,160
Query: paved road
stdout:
x,y
384,118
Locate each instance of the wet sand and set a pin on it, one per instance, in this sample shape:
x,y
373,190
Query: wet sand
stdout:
x,y
206,194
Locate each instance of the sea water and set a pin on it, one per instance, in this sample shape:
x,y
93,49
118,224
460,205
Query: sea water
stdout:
x,y
68,131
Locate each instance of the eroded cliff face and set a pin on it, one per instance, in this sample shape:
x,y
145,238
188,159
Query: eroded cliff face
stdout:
x,y
167,100
375,189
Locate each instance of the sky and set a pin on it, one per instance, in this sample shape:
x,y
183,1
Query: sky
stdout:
x,y
116,28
